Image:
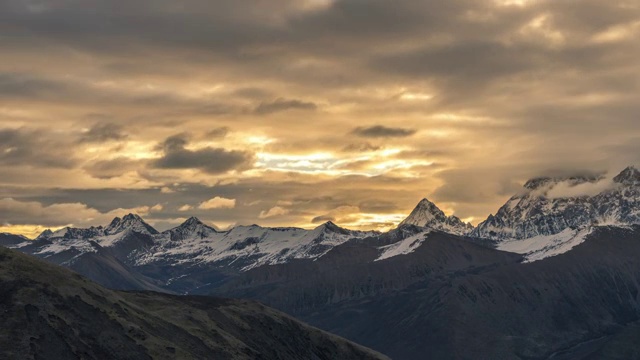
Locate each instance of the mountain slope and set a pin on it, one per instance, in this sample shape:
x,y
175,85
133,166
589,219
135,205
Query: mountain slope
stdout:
x,y
583,304
49,312
11,240
350,272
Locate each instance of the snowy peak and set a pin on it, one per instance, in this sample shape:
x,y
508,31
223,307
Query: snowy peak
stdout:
x,y
554,208
191,222
427,214
131,222
191,228
331,227
628,176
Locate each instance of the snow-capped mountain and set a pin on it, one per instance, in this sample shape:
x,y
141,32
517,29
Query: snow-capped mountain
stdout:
x,y
536,211
427,214
246,247
131,222
136,243
552,212
548,217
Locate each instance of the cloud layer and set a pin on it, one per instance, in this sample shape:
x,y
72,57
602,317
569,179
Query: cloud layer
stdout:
x,y
307,111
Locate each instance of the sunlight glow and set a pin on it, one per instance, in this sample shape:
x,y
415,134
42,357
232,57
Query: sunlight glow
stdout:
x,y
30,231
415,96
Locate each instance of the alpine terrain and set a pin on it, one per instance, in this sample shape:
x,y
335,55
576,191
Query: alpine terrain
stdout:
x,y
553,274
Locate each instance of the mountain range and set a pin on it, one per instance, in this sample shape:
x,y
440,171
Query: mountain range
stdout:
x,y
433,285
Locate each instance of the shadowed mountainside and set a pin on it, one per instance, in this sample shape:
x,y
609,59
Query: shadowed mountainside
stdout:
x,y
451,299
49,312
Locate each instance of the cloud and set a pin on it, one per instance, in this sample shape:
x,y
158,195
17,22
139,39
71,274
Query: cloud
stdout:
x,y
515,90
107,169
274,211
217,203
361,147
219,132
283,105
15,212
322,219
344,213
210,160
379,131
24,147
567,189
184,208
102,132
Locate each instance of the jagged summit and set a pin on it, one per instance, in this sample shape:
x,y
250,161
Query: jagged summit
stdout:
x,y
628,176
192,221
427,214
129,222
331,226
192,228
45,234
536,213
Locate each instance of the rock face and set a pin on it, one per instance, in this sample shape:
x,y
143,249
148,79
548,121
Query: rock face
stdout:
x,y
427,214
48,312
544,209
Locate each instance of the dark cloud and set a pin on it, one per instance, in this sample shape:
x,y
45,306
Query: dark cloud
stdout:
x,y
209,160
107,169
102,132
380,131
218,132
14,85
361,147
322,219
283,105
21,147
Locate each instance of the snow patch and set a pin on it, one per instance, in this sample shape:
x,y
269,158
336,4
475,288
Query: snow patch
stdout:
x,y
544,246
403,247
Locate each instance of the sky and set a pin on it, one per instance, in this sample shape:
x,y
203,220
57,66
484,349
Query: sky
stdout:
x,y
296,112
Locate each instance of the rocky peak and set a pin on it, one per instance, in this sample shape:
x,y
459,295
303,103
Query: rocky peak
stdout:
x,y
45,234
427,214
190,228
191,222
330,226
129,222
628,176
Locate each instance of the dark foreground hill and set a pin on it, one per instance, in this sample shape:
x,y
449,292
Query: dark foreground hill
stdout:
x,y
48,312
